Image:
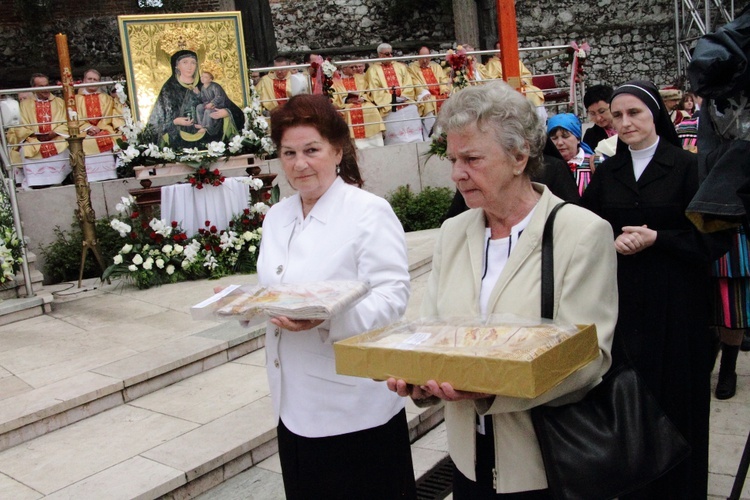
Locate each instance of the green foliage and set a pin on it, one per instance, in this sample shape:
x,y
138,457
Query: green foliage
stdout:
x,y
10,244
62,258
420,211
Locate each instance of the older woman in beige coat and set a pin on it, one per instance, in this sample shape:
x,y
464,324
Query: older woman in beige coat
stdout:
x,y
488,261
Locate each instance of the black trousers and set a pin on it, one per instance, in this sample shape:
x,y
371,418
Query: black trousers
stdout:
x,y
483,489
373,464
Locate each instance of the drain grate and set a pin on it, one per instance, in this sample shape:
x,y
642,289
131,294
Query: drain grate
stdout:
x,y
438,482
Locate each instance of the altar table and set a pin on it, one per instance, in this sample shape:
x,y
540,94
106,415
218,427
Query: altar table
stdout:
x,y
192,207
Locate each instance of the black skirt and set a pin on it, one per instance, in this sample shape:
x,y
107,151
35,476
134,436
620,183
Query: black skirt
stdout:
x,y
369,464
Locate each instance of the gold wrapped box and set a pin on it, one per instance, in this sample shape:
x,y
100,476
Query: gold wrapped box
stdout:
x,y
510,359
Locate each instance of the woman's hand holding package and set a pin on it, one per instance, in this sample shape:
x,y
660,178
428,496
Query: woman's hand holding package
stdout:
x,y
443,390
295,325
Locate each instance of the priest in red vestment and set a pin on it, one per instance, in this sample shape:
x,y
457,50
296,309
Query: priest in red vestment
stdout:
x,y
41,138
429,75
96,110
275,88
353,99
393,91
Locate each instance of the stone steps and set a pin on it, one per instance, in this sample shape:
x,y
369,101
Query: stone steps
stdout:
x,y
150,427
48,408
14,303
172,421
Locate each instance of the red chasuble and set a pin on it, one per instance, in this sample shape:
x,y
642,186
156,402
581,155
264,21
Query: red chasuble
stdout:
x,y
43,117
94,110
279,91
356,116
432,85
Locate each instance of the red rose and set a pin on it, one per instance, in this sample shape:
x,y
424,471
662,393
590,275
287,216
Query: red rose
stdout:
x,y
153,235
134,215
192,180
231,223
216,171
133,236
207,223
202,171
174,223
199,186
213,229
207,247
246,211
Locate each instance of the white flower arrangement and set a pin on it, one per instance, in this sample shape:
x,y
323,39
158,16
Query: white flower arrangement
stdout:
x,y
160,252
260,208
121,227
329,69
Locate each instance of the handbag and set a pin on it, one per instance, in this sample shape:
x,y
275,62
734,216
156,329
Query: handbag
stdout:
x,y
616,439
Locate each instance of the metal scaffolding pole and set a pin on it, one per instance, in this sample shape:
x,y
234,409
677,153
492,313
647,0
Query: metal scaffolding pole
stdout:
x,y
693,19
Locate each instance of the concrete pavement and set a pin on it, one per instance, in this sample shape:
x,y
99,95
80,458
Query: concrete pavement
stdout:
x,y
118,393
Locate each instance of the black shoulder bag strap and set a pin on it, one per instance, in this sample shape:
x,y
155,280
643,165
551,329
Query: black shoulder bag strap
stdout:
x,y
548,265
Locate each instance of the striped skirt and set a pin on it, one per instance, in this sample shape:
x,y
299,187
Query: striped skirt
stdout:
x,y
731,290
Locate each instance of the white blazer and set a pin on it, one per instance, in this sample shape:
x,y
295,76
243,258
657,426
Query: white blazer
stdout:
x,y
349,234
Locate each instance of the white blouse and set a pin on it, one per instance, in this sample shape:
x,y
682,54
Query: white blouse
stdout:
x,y
349,234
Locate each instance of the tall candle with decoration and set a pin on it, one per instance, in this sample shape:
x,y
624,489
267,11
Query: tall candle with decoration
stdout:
x,y
66,76
84,211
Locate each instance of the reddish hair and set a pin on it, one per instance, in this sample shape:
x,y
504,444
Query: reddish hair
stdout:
x,y
317,111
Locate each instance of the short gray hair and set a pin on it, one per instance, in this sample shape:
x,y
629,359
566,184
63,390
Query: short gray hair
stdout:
x,y
510,117
384,46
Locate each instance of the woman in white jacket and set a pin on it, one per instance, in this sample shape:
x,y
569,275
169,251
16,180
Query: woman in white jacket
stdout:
x,y
339,436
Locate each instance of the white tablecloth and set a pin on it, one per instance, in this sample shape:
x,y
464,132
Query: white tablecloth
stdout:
x,y
193,207
403,126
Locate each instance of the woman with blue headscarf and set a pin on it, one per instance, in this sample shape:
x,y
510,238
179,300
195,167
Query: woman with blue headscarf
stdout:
x,y
565,132
663,273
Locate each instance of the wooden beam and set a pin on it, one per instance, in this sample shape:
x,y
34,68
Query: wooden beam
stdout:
x,y
508,38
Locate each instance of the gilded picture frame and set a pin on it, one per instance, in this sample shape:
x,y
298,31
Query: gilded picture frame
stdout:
x,y
149,43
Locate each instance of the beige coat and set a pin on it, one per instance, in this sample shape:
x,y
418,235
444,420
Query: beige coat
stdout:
x,y
585,292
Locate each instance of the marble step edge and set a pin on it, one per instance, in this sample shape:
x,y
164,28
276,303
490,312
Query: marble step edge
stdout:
x,y
194,462
43,410
13,309
211,476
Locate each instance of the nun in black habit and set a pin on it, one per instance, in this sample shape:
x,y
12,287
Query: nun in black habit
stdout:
x,y
663,272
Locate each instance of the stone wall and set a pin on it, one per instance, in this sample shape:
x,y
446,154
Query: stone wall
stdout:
x,y
639,45
304,25
630,38
28,45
